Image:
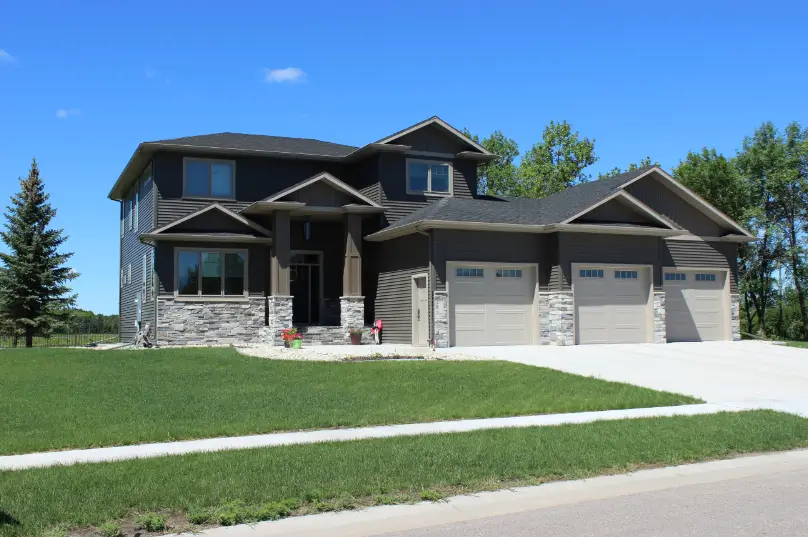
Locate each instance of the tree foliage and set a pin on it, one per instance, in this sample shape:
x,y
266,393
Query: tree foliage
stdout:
x,y
33,278
631,167
499,176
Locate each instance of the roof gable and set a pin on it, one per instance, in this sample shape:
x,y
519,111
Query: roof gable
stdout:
x,y
617,211
433,123
214,218
315,191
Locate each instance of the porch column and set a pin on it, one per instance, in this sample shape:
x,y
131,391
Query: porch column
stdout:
x,y
279,304
279,266
352,303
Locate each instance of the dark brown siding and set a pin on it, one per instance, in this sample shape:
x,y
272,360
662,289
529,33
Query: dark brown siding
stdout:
x,y
394,264
257,264
614,211
433,139
700,254
490,246
256,179
618,249
665,201
132,252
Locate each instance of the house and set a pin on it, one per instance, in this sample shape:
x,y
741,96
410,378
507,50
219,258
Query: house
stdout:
x,y
229,238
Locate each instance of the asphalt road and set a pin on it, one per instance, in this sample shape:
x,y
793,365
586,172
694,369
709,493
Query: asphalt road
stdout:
x,y
771,505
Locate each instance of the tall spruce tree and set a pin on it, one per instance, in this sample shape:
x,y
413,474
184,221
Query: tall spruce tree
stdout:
x,y
34,295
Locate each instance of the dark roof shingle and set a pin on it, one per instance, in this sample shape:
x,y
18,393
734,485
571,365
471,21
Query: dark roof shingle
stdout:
x,y
259,142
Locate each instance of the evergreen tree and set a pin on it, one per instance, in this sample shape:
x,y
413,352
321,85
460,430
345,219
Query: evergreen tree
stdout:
x,y
33,276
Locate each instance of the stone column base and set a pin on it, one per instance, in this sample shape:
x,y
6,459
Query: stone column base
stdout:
x,y
556,318
660,312
209,323
279,317
735,315
441,319
351,314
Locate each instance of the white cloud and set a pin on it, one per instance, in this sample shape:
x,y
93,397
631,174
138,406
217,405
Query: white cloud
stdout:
x,y
5,56
288,75
64,113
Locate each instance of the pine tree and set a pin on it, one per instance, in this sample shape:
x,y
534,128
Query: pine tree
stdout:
x,y
34,296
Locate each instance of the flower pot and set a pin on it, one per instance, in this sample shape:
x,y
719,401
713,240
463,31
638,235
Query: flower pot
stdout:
x,y
356,339
296,343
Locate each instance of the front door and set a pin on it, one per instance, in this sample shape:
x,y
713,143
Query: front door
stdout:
x,y
420,311
304,283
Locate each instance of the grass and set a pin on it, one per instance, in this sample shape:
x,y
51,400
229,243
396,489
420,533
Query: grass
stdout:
x,y
798,344
65,398
220,487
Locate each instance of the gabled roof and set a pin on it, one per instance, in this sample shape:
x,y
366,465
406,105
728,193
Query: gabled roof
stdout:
x,y
555,212
213,207
260,143
435,120
326,178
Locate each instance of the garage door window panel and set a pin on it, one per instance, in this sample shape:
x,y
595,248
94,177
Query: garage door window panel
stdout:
x,y
591,273
675,277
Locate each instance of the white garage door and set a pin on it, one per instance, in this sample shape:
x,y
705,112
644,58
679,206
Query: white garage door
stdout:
x,y
612,304
491,305
696,305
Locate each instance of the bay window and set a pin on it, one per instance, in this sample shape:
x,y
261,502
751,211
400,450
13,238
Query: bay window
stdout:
x,y
207,178
211,273
428,177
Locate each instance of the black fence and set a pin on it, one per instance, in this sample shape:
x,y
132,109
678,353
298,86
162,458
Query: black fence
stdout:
x,y
71,335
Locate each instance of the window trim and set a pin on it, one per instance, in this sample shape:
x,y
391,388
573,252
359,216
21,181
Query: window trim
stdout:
x,y
429,191
208,161
130,203
199,295
474,276
129,275
136,216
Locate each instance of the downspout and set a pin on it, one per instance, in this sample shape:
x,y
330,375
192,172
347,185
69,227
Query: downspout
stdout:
x,y
429,283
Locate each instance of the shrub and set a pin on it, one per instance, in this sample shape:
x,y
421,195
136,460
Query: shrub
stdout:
x,y
429,495
151,522
110,529
272,511
200,516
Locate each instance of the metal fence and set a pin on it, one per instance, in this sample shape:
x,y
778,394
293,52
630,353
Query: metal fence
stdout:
x,y
69,335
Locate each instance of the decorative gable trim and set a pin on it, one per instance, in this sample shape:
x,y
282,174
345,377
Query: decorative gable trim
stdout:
x,y
435,120
630,200
695,200
217,207
329,179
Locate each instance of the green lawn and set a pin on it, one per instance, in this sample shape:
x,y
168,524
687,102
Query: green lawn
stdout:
x,y
799,344
62,398
341,475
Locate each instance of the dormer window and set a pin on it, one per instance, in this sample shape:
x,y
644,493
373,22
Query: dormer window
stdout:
x,y
429,177
208,178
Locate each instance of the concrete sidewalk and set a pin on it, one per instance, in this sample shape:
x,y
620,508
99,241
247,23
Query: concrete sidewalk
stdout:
x,y
54,458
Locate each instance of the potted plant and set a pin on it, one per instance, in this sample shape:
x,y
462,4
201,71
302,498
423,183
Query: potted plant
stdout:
x,y
356,336
292,338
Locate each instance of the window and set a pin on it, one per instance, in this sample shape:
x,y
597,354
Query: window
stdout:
x,y
625,274
123,216
675,276
153,278
209,273
137,203
121,278
209,178
129,274
469,272
509,273
428,176
591,273
145,279
705,277
130,213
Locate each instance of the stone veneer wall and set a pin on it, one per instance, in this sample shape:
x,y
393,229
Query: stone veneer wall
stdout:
x,y
735,315
556,318
279,316
660,312
204,322
441,319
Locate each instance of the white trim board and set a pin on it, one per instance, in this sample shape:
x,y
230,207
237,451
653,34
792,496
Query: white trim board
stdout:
x,y
225,210
436,121
325,177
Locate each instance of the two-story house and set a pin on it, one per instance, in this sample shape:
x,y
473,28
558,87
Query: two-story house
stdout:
x,y
229,238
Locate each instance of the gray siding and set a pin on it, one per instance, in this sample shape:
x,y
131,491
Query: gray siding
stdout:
x,y
616,212
256,179
617,249
390,290
491,246
703,254
131,253
665,201
434,139
257,264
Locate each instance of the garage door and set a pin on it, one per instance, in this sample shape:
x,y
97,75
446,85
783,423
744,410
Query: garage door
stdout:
x,y
491,305
611,304
696,305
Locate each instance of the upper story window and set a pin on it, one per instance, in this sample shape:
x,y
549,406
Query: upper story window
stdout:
x,y
429,177
206,178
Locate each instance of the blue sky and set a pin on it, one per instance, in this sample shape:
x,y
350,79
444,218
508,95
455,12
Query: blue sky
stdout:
x,y
80,87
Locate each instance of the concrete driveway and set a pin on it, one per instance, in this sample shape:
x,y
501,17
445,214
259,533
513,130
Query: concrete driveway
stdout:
x,y
718,372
